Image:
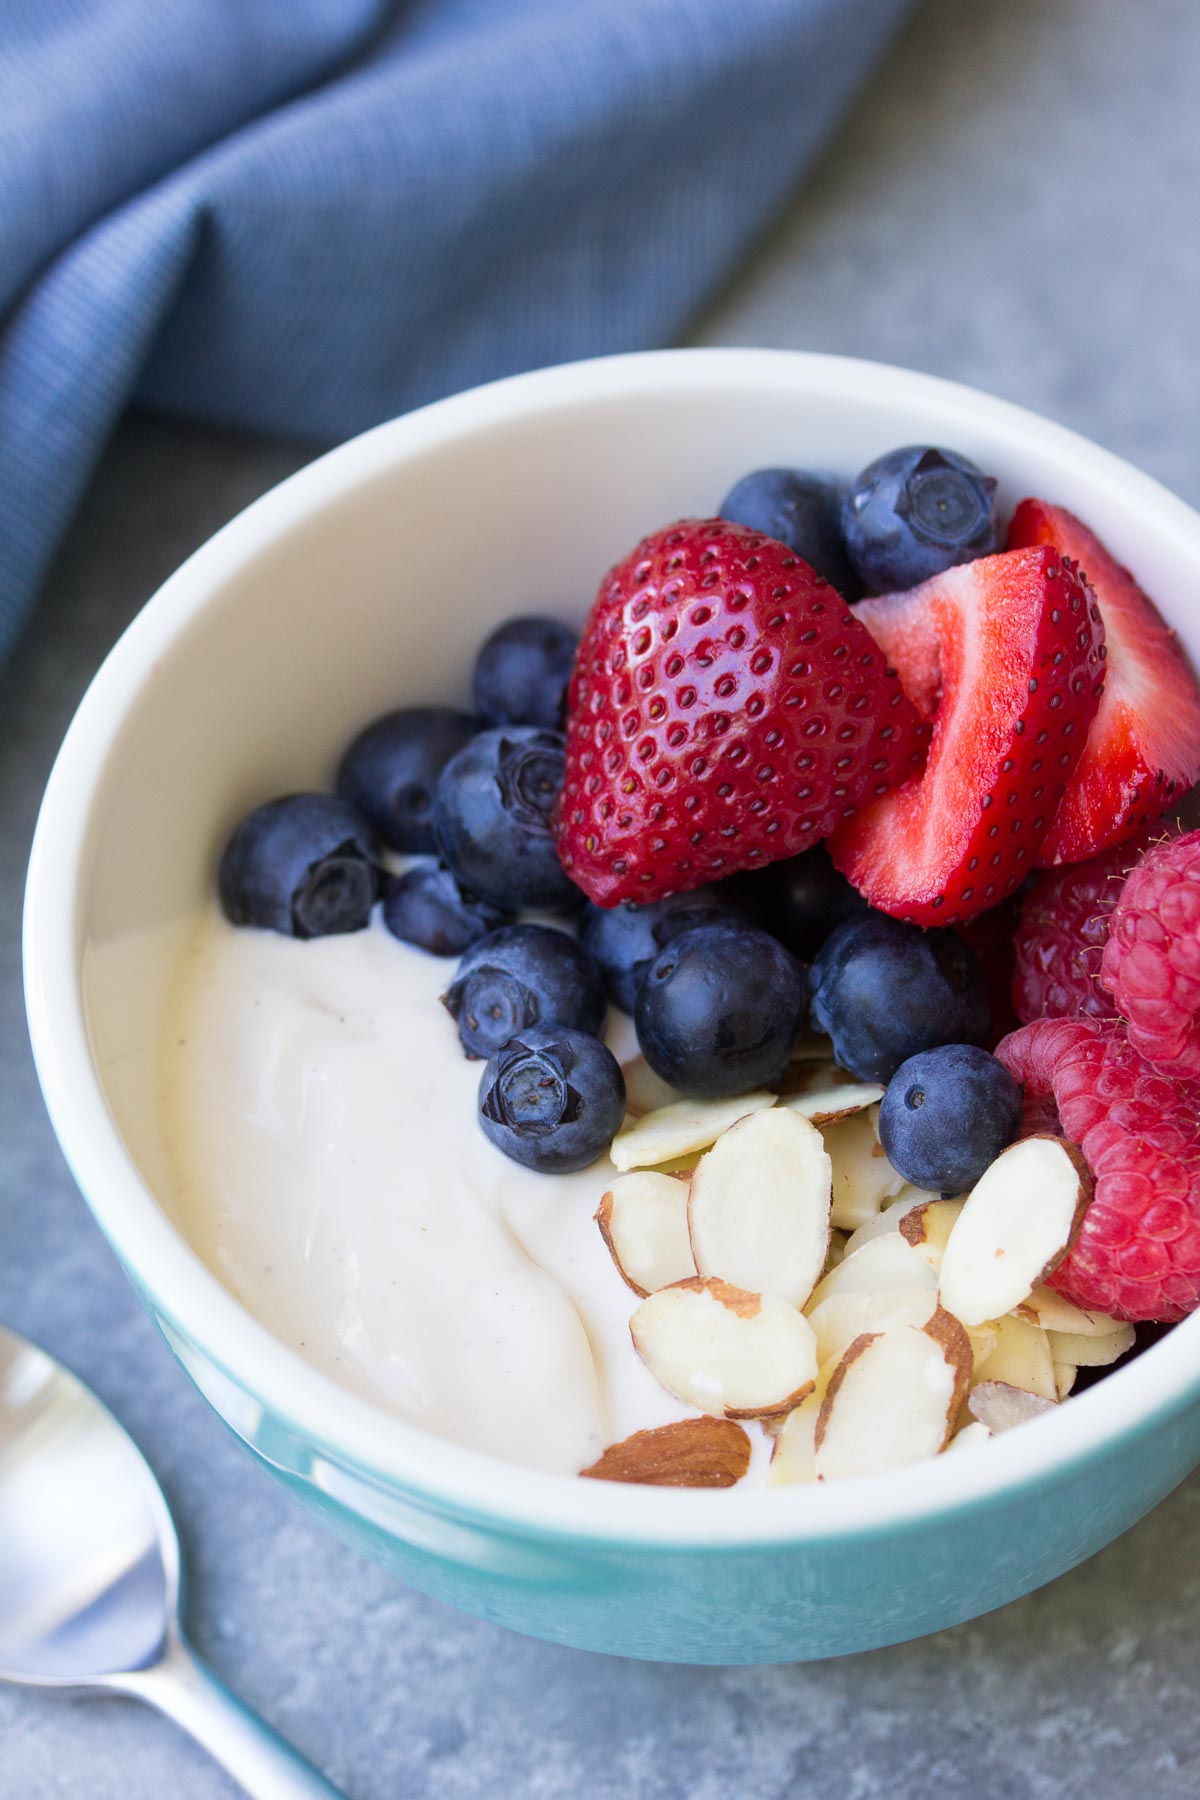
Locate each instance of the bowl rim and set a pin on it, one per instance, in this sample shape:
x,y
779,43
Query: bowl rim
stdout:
x,y
388,1452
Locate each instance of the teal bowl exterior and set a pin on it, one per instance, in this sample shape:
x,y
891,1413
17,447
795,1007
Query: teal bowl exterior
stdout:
x,y
784,1575
772,1603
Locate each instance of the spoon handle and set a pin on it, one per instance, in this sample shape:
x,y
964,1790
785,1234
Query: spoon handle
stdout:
x,y
186,1690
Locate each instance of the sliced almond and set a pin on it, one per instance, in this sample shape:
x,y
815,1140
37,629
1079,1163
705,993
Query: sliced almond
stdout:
x,y
645,1092
811,1047
836,1250
793,1454
826,1104
759,1206
683,1166
1091,1352
1018,1223
805,1074
691,1453
1021,1358
643,1220
841,1317
725,1350
984,1339
1000,1406
894,1398
974,1433
1049,1309
927,1228
889,1219
863,1178
882,1265
679,1129
1064,1378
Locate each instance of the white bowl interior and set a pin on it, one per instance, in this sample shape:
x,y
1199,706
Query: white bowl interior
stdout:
x,y
366,582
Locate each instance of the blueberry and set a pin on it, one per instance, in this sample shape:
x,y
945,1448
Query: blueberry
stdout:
x,y
521,976
625,939
522,671
802,511
915,512
391,769
552,1099
303,865
884,990
493,816
947,1115
719,1009
802,899
426,906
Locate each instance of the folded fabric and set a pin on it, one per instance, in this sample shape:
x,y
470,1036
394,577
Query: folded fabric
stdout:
x,y
304,216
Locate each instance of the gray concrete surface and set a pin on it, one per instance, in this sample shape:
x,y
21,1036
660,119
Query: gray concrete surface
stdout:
x,y
1013,204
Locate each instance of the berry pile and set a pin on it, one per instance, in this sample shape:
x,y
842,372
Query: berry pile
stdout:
x,y
845,762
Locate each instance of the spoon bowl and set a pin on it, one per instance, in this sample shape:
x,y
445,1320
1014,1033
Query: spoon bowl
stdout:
x,y
89,1560
90,1574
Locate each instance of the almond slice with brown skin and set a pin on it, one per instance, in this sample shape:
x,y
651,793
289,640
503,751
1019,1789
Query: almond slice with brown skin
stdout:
x,y
927,1228
675,1131
999,1406
725,1350
643,1218
759,1206
1017,1224
894,1398
691,1453
827,1104
1021,1358
1051,1310
1091,1352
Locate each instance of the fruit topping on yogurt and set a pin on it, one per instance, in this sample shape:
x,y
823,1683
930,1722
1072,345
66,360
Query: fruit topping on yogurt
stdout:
x,y
821,896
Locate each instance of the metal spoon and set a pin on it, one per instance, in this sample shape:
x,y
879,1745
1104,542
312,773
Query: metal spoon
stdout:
x,y
89,1575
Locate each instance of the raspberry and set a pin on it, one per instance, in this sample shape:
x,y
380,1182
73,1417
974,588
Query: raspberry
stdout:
x,y
1062,933
1137,1255
1151,961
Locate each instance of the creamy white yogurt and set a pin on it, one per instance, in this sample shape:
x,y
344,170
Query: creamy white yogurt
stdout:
x,y
325,1161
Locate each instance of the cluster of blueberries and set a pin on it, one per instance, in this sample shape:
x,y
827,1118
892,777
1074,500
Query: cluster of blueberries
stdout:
x,y
715,979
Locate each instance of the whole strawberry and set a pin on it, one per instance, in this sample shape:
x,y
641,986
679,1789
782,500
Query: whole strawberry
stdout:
x,y
727,709
1152,957
1062,933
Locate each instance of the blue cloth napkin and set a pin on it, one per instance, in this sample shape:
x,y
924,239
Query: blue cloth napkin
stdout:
x,y
304,216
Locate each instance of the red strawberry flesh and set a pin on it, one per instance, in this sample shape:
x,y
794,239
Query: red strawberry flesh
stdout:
x,y
1005,654
727,709
1144,744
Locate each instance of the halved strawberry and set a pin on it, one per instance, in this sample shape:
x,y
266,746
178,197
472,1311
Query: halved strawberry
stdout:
x,y
727,708
1143,747
1006,656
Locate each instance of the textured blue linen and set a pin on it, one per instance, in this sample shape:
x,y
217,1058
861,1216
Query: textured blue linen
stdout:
x,y
304,216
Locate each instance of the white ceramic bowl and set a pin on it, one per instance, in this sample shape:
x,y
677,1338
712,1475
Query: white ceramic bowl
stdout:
x,y
366,581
